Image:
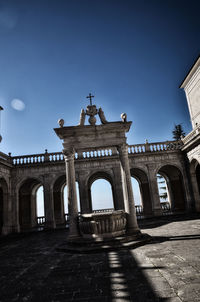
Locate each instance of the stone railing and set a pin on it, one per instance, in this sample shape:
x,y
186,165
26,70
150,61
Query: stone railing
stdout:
x,y
40,220
155,147
37,158
166,208
191,135
97,152
92,153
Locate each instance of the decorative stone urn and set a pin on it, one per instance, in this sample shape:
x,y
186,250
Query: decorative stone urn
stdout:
x,y
103,224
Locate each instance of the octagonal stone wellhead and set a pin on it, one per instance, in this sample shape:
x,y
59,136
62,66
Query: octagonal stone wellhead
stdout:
x,y
103,224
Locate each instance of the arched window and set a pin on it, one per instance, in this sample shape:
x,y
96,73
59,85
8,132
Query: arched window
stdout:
x,y
136,191
40,202
163,193
101,193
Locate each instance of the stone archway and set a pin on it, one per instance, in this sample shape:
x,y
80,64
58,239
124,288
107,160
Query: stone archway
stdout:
x,y
175,187
27,203
142,179
3,201
101,175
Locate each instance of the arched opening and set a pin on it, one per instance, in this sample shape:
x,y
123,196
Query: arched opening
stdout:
x,y
137,196
27,204
101,192
141,188
40,214
174,184
163,192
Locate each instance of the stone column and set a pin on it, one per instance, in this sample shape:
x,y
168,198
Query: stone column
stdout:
x,y
157,211
71,193
132,226
48,204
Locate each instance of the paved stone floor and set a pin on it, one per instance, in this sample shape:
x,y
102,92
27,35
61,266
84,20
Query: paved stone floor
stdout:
x,y
165,269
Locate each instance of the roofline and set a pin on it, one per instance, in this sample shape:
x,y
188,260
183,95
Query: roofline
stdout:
x,y
191,72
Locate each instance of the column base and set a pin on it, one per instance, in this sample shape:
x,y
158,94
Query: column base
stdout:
x,y
157,212
50,225
7,229
133,231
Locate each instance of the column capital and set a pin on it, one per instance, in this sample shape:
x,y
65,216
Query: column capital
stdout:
x,y
69,153
123,148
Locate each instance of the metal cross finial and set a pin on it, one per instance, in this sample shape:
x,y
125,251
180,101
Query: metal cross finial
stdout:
x,y
90,97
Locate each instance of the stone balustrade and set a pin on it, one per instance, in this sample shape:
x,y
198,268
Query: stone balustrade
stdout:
x,y
103,224
93,153
40,220
155,147
37,158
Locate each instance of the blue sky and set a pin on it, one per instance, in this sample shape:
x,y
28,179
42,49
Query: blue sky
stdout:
x,y
132,55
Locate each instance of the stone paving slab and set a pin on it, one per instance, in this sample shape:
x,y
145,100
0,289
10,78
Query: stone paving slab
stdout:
x,y
165,269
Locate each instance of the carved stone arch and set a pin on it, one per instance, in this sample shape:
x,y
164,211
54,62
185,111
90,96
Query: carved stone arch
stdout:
x,y
20,181
143,181
195,159
101,175
26,190
3,201
168,163
174,177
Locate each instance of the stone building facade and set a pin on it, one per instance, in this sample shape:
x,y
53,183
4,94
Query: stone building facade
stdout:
x,y
177,161
191,147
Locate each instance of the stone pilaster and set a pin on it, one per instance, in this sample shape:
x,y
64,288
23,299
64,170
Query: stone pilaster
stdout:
x,y
15,208
187,189
156,207
7,214
195,190
48,204
132,226
84,196
71,193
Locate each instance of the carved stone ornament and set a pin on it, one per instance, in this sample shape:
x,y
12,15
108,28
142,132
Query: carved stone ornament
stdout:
x,y
92,111
102,116
82,118
124,117
61,122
